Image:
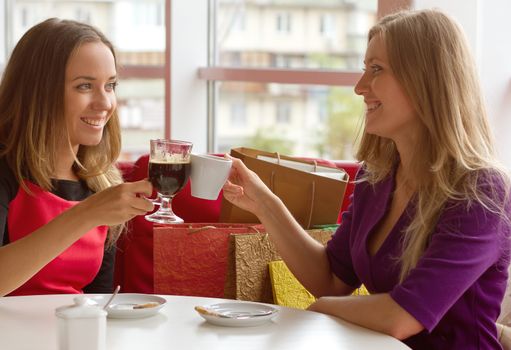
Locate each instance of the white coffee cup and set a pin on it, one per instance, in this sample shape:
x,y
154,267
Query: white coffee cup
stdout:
x,y
208,175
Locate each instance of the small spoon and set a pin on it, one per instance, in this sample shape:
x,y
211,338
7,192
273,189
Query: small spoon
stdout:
x,y
112,297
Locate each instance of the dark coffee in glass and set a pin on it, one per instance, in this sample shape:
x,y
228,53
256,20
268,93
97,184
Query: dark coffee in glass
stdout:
x,y
169,178
169,170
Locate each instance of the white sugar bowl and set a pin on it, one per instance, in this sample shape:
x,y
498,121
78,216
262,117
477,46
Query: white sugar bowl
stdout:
x,y
81,326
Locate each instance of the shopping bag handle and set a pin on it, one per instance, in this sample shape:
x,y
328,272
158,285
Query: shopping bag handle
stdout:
x,y
209,227
313,197
314,162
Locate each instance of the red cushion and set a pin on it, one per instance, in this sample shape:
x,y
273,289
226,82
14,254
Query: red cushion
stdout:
x,y
351,167
125,168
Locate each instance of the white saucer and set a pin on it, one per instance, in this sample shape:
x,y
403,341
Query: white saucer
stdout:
x,y
122,305
242,314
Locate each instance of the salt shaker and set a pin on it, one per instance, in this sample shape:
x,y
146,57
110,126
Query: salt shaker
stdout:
x,y
81,326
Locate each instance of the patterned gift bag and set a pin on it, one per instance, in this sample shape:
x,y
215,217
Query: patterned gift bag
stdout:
x,y
191,259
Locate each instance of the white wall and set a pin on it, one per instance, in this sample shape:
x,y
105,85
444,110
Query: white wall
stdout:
x,y
188,51
464,11
495,53
487,25
2,36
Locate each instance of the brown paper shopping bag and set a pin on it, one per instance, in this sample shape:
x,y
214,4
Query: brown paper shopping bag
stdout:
x,y
191,259
248,276
312,193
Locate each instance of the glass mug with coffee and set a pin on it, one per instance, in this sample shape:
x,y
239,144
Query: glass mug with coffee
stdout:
x,y
169,170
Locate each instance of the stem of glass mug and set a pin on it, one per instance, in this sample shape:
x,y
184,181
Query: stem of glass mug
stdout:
x,y
166,205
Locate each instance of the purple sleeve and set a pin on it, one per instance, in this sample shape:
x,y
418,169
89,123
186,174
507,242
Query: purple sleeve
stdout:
x,y
466,242
339,252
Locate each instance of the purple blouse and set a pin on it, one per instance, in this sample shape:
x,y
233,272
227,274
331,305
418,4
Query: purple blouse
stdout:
x,y
456,288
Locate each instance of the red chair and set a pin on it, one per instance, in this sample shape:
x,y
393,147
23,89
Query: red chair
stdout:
x,y
351,167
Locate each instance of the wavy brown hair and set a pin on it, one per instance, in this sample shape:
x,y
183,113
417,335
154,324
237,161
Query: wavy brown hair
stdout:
x,y
430,58
32,123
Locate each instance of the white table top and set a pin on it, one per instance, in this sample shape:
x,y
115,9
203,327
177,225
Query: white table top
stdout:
x,y
30,323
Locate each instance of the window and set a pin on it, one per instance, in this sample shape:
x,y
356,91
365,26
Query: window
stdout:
x,y
238,116
326,25
292,85
283,22
282,61
82,15
239,22
259,53
24,17
319,63
283,113
322,112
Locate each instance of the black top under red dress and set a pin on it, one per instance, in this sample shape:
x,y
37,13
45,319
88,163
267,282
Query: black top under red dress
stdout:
x,y
83,267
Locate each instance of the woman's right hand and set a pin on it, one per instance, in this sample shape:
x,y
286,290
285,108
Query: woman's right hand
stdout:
x,y
117,204
245,189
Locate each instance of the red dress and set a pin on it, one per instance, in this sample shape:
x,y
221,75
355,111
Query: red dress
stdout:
x,y
75,267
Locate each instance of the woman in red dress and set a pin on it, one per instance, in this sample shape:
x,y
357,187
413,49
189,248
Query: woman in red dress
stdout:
x,y
62,200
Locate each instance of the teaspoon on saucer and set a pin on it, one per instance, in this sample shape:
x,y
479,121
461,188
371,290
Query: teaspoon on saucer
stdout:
x,y
112,297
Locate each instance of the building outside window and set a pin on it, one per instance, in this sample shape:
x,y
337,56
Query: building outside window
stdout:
x,y
317,37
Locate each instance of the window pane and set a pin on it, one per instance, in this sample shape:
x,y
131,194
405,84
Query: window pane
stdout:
x,y
328,34
141,110
137,30
304,120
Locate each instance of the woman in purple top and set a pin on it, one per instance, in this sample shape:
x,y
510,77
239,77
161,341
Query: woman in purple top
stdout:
x,y
428,228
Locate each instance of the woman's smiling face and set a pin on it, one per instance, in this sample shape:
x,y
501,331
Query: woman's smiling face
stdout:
x,y
89,97
389,113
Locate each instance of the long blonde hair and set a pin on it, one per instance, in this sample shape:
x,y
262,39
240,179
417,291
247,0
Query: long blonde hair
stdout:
x,y
430,58
32,122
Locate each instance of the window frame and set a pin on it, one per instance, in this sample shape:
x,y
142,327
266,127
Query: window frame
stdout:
x,y
212,73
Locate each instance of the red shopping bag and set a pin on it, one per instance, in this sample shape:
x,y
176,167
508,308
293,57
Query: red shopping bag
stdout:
x,y
191,259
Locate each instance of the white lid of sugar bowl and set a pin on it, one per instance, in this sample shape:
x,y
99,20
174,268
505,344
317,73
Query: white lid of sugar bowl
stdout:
x,y
83,307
